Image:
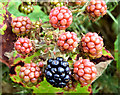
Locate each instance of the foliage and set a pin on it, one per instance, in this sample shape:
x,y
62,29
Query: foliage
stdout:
x,y
3,26
37,13
80,25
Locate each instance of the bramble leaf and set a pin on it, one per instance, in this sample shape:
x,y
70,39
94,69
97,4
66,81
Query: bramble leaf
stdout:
x,y
45,87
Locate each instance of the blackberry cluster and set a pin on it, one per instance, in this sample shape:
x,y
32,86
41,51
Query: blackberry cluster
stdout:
x,y
21,25
25,8
23,46
96,8
92,44
67,41
84,71
57,72
80,2
31,74
60,17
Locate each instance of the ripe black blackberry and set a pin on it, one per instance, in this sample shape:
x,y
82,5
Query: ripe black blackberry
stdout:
x,y
57,72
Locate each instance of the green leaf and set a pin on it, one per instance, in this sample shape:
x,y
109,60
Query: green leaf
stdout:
x,y
106,52
3,26
16,77
45,87
35,15
27,59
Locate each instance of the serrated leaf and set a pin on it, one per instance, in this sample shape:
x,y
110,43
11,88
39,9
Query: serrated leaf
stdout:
x,y
106,52
27,59
35,15
45,87
15,77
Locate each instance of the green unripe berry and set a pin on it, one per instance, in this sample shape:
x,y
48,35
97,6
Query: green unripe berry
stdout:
x,y
29,6
28,11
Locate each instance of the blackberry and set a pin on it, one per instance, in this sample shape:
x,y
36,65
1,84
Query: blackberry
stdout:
x,y
92,45
23,46
56,72
84,71
96,8
67,41
26,8
31,74
21,25
60,17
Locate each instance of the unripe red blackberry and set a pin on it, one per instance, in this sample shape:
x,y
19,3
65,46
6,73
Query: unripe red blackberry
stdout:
x,y
80,2
23,46
96,8
67,41
21,25
92,44
84,71
60,17
31,74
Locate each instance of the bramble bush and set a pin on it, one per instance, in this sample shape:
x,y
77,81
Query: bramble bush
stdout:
x,y
57,46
